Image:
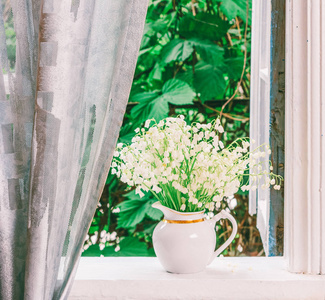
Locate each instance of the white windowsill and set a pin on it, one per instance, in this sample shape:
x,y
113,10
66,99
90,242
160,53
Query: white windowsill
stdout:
x,y
234,278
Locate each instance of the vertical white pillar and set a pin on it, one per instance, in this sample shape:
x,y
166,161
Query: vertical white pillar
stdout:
x,y
305,133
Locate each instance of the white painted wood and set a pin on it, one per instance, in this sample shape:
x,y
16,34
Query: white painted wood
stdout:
x,y
305,118
239,278
260,106
322,111
254,91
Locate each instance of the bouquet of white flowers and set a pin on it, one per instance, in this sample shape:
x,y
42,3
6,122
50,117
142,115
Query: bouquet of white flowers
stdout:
x,y
187,168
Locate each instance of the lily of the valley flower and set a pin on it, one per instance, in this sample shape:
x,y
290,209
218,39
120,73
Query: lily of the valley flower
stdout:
x,y
188,168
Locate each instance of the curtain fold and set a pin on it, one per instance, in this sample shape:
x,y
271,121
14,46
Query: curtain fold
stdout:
x,y
68,93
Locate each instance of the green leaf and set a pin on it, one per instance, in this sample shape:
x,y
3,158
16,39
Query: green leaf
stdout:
x,y
209,52
129,246
186,75
234,67
133,210
149,107
203,26
154,213
176,50
208,80
155,105
180,50
127,133
234,8
149,228
156,73
177,92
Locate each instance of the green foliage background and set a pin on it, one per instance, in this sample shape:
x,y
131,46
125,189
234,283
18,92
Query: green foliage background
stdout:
x,y
190,62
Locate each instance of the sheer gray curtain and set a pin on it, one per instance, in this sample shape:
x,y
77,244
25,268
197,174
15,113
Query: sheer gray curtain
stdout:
x,y
59,122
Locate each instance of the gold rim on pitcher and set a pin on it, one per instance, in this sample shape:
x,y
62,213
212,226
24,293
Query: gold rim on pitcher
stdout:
x,y
183,221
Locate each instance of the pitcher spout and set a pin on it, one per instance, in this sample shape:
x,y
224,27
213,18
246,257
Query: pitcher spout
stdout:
x,y
171,214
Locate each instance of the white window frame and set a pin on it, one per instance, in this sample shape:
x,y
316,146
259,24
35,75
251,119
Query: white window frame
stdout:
x,y
259,200
305,129
239,278
304,134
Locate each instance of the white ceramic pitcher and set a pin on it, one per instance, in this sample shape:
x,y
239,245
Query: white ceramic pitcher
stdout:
x,y
185,242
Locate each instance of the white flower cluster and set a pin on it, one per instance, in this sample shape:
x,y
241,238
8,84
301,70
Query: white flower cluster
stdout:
x,y
187,167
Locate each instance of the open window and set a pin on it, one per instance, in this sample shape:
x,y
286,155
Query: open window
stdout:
x,y
267,114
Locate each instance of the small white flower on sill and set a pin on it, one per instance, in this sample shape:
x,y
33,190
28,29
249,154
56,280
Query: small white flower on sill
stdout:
x,y
117,248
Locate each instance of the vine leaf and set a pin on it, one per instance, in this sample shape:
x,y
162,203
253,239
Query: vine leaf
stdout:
x,y
134,209
180,50
177,92
234,67
155,104
209,52
203,26
234,8
176,50
208,80
129,246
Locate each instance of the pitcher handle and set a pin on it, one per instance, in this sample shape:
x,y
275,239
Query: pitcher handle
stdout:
x,y
224,215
